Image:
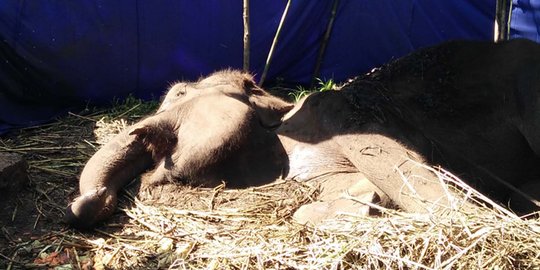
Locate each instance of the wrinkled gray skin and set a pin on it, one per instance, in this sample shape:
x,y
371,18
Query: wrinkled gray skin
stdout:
x,y
221,110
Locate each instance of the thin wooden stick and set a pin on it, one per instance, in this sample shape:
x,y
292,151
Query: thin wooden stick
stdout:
x,y
246,35
324,43
274,42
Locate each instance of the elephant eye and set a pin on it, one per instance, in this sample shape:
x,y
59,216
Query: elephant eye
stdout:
x,y
256,91
181,91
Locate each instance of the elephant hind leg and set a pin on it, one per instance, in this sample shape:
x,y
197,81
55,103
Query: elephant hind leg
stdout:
x,y
398,172
527,95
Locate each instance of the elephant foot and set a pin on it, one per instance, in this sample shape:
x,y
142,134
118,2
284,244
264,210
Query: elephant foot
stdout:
x,y
348,184
346,193
317,212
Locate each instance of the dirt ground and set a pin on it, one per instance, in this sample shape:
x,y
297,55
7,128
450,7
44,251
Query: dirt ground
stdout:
x,y
31,219
32,231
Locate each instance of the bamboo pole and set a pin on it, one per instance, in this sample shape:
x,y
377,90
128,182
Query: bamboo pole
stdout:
x,y
324,43
274,42
502,20
246,35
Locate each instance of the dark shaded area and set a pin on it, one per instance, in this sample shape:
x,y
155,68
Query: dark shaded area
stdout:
x,y
464,105
28,95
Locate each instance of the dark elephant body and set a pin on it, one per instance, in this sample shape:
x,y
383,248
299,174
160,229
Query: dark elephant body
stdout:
x,y
472,107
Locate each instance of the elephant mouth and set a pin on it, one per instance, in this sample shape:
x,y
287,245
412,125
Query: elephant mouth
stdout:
x,y
270,126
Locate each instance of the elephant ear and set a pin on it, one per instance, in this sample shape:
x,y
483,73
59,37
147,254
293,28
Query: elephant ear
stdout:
x,y
158,137
142,131
270,109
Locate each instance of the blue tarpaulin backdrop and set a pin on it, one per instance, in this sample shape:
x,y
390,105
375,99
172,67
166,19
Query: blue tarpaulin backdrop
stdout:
x,y
57,55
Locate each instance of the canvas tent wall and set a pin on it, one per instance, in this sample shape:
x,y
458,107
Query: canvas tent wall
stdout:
x,y
57,55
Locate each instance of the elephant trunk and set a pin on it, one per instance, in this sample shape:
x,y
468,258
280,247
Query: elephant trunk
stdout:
x,y
112,167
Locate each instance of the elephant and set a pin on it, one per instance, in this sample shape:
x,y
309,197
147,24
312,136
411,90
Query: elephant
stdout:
x,y
222,110
470,107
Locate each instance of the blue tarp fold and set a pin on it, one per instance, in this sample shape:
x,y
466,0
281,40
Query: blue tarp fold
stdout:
x,y
525,19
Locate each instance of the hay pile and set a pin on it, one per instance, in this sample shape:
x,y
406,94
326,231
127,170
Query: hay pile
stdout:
x,y
247,229
252,229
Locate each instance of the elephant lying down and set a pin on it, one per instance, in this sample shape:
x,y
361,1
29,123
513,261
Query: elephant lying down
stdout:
x,y
471,107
